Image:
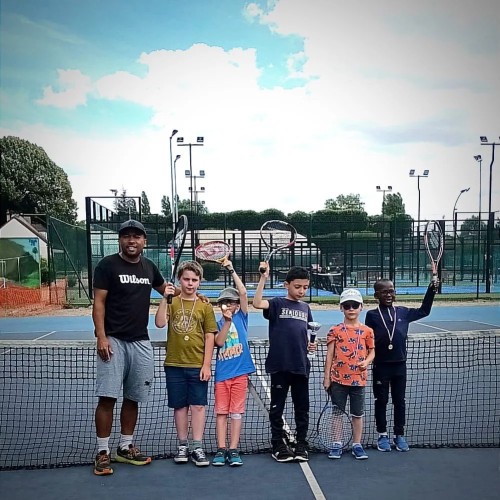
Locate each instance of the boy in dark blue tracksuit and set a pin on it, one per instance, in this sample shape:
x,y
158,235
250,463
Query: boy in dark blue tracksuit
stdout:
x,y
390,325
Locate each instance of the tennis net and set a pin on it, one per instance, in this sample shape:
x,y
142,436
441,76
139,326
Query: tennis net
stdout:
x,y
47,400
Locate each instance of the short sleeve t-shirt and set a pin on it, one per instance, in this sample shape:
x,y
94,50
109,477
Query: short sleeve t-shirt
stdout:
x,y
233,358
288,336
129,292
351,347
188,323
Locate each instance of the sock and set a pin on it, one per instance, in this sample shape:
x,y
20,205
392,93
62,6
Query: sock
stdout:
x,y
125,441
354,444
183,442
196,444
382,434
103,444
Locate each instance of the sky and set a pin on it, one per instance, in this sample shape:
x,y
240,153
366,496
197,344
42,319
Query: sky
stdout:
x,y
297,101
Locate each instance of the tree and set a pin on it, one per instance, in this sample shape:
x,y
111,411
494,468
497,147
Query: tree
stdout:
x,y
145,207
125,205
30,182
393,204
345,202
165,206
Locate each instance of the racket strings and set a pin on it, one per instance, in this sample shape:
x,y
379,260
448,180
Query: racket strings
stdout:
x,y
213,251
277,234
334,428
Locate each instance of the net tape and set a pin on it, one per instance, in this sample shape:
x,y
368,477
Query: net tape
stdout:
x,y
47,401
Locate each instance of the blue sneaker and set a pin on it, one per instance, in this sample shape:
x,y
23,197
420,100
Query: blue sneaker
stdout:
x,y
220,457
401,444
383,443
233,458
335,452
358,452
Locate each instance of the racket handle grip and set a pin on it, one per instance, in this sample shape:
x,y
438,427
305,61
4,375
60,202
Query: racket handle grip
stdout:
x,y
312,339
263,266
169,298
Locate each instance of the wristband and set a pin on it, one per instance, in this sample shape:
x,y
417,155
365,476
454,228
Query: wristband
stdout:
x,y
231,271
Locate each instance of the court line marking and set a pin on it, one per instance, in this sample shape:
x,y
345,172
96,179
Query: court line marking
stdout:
x,y
306,470
484,323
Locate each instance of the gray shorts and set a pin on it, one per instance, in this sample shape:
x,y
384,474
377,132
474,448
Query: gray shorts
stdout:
x,y
131,367
356,393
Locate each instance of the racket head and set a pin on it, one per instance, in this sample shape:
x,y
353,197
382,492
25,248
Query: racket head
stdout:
x,y
434,244
334,426
213,251
277,234
177,246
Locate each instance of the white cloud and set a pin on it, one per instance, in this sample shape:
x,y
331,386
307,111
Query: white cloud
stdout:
x,y
71,90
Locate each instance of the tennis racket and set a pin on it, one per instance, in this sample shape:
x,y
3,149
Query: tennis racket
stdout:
x,y
434,244
276,235
176,248
313,327
213,251
334,427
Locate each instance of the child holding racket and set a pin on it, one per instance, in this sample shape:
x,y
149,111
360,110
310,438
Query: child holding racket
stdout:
x,y
190,346
233,365
350,350
287,361
390,324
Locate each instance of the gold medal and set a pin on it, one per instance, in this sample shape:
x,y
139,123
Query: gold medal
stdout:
x,y
390,347
187,338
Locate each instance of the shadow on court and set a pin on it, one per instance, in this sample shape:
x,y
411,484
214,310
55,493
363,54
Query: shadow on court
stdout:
x,y
422,473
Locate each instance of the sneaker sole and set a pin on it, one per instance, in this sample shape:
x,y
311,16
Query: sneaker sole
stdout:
x,y
360,458
218,464
382,449
302,459
283,460
335,458
235,464
124,460
402,450
105,472
200,464
181,460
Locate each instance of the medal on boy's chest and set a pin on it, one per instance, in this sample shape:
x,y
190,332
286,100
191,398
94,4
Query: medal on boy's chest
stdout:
x,y
390,347
186,337
390,333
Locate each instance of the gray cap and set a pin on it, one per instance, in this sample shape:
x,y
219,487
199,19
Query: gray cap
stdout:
x,y
351,294
229,293
132,224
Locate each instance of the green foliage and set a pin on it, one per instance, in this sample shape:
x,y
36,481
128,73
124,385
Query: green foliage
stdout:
x,y
345,202
30,182
166,210
145,207
393,205
126,205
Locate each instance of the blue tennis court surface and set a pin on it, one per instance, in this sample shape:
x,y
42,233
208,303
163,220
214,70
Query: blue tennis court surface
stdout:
x,y
462,473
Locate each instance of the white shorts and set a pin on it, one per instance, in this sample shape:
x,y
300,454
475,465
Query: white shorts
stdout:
x,y
131,367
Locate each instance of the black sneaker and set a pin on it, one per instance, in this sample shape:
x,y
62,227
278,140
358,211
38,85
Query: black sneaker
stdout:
x,y
102,464
199,458
301,452
282,453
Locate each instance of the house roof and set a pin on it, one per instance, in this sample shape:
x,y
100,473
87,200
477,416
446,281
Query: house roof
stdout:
x,y
27,225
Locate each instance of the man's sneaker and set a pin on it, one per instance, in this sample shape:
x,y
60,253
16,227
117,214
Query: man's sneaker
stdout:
x,y
282,453
233,458
131,455
220,457
102,464
358,452
182,455
301,452
199,458
335,452
383,443
401,444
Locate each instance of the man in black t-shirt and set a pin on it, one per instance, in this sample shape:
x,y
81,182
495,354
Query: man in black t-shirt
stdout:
x,y
125,364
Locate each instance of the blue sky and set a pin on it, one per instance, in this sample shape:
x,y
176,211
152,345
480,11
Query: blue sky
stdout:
x,y
297,101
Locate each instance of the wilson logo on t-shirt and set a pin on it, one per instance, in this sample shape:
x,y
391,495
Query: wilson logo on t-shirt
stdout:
x,y
132,278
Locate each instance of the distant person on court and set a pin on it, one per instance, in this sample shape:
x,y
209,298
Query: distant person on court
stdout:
x,y
287,360
233,365
350,350
190,347
390,324
125,363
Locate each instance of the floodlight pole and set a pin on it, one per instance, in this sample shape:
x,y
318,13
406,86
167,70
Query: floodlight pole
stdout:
x,y
455,234
172,181
479,159
412,174
491,215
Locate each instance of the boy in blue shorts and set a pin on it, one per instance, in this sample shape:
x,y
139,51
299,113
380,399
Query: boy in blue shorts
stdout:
x,y
350,350
287,360
190,346
233,365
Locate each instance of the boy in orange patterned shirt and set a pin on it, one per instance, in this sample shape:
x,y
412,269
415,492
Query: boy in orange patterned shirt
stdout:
x,y
350,350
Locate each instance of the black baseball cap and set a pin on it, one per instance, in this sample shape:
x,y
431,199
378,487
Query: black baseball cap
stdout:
x,y
132,224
